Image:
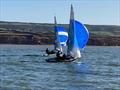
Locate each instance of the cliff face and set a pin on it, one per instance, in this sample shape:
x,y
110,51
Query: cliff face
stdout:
x,y
35,33
104,41
33,39
25,39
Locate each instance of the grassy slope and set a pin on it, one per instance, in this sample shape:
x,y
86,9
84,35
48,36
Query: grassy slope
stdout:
x,y
46,30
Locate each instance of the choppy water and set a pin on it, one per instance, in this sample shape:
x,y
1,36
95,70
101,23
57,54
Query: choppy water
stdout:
x,y
22,67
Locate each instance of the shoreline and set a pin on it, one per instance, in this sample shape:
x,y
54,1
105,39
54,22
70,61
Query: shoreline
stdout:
x,y
49,45
32,39
43,34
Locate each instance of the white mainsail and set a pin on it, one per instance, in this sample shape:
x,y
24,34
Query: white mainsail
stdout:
x,y
73,50
78,36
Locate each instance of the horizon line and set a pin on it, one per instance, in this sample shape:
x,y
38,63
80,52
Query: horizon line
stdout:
x,y
57,23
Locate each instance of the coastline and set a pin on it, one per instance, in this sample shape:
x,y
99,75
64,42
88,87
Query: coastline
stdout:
x,y
43,34
49,40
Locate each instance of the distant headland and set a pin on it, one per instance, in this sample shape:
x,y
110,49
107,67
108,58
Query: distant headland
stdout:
x,y
43,33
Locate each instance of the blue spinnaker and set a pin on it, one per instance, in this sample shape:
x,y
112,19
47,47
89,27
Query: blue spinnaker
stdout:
x,y
82,34
62,35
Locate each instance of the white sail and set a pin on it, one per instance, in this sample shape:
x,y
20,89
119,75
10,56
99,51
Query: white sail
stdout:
x,y
78,36
73,49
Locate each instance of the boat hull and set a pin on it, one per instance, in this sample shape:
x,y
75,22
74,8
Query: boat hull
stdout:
x,y
55,60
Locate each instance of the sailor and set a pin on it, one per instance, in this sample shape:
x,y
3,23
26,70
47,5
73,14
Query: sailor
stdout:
x,y
50,52
64,56
59,55
47,50
57,49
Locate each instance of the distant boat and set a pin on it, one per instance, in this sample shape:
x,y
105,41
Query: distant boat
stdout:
x,y
78,36
61,37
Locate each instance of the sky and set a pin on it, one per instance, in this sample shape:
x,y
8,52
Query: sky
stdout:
x,y
96,12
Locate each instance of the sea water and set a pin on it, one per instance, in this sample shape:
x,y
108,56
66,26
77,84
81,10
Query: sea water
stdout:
x,y
23,67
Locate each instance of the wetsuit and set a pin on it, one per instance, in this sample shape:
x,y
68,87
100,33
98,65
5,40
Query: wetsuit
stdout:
x,y
50,52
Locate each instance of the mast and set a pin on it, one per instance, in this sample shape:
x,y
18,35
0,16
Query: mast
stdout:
x,y
70,32
55,22
57,43
72,13
73,49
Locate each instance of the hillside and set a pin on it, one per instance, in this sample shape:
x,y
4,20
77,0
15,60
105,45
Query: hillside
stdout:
x,y
43,33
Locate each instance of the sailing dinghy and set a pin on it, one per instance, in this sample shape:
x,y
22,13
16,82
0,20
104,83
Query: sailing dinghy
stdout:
x,y
61,37
77,39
